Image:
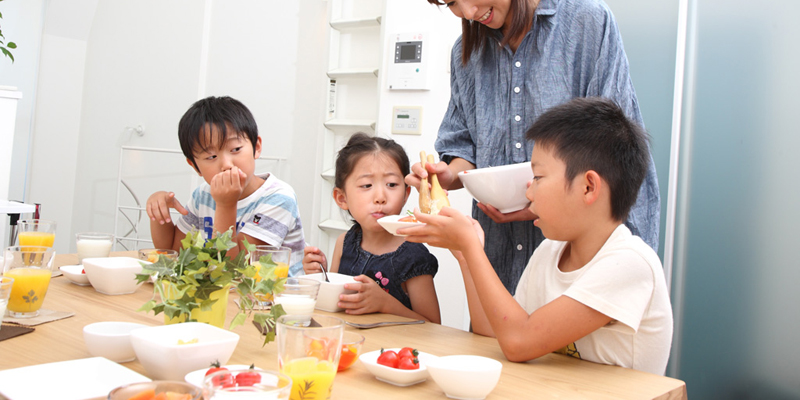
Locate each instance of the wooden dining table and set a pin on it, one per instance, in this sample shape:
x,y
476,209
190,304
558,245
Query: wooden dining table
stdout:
x,y
550,376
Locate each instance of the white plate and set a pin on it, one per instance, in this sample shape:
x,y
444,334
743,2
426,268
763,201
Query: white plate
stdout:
x,y
82,379
196,377
392,223
397,377
75,275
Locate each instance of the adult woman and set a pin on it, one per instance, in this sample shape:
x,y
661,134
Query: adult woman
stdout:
x,y
514,60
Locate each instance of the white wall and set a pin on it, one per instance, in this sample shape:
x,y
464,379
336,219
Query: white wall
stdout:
x,y
404,16
105,74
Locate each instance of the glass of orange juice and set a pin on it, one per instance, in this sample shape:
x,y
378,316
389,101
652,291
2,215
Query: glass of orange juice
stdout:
x,y
29,266
36,232
308,352
278,257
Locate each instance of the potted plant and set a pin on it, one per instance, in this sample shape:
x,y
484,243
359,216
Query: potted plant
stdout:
x,y
195,285
4,47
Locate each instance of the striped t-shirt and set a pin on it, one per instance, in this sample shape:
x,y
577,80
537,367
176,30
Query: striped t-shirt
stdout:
x,y
269,214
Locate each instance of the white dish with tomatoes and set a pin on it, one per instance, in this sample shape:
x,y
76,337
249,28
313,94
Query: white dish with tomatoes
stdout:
x,y
378,363
75,274
196,377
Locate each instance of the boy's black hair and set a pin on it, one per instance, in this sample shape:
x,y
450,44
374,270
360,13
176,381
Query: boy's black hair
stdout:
x,y
194,129
359,145
594,134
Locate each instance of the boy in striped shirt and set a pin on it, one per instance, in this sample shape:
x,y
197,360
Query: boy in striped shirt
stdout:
x,y
219,138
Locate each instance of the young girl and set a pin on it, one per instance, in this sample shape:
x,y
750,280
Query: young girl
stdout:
x,y
395,276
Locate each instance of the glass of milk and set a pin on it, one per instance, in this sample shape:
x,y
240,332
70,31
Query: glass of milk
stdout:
x,y
94,245
5,291
299,296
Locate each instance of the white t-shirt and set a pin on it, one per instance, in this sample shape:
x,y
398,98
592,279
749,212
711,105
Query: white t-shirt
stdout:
x,y
625,281
269,214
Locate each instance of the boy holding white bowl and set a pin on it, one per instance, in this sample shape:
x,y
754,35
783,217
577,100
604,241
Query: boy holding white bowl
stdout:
x,y
592,290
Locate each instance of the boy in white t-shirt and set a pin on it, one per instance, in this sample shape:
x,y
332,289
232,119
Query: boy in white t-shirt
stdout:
x,y
219,138
592,290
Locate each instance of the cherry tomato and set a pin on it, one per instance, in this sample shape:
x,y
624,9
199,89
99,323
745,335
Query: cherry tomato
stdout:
x,y
388,358
249,377
223,379
408,363
407,352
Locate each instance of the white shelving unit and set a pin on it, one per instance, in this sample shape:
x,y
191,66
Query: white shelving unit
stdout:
x,y
355,54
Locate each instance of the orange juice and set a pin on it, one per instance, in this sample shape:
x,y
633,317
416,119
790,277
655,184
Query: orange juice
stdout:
x,y
30,286
37,238
312,379
281,271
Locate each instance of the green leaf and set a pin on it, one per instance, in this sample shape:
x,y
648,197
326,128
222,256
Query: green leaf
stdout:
x,y
239,319
146,307
12,45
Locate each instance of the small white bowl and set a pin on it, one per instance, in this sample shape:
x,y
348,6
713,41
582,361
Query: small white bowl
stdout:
x,y
465,377
75,274
113,275
111,340
397,377
328,296
163,358
501,187
392,223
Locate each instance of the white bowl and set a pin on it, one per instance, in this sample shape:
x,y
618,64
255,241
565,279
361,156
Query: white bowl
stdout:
x,y
465,377
111,340
328,296
392,223
75,274
397,377
113,275
163,358
501,187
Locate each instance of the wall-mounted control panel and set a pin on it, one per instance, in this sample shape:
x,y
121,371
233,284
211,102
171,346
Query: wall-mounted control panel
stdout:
x,y
407,120
408,69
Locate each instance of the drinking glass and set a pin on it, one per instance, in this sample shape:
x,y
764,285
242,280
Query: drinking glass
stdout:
x,y
152,255
299,296
281,256
260,385
308,352
265,256
36,232
93,244
5,291
29,266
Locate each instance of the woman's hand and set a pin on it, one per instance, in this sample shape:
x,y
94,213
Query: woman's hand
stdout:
x,y
521,215
314,260
446,173
370,298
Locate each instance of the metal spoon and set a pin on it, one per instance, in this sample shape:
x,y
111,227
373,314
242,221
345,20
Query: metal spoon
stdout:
x,y
324,273
385,323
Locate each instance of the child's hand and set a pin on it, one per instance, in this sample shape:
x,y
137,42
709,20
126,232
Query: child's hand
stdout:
x,y
370,298
314,260
158,205
227,186
449,229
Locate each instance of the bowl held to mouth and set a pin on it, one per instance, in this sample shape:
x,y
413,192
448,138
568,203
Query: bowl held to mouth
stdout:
x,y
503,187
